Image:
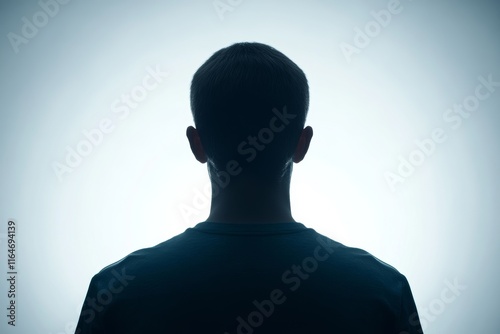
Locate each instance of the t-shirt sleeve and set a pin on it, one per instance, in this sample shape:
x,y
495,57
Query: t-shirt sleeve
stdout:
x,y
409,321
91,316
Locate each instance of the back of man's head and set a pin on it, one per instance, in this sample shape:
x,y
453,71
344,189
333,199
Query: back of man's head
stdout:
x,y
249,103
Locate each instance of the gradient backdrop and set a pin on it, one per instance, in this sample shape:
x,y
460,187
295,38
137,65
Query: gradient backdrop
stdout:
x,y
405,99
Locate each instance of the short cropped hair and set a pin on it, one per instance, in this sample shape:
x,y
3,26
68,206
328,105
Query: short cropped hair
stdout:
x,y
236,93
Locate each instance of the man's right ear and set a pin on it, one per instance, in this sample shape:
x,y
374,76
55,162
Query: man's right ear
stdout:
x,y
195,143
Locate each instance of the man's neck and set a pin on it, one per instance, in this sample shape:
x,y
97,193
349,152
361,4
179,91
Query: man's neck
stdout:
x,y
252,203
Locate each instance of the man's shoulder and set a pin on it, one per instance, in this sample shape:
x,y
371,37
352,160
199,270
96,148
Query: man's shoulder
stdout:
x,y
139,260
358,261
350,261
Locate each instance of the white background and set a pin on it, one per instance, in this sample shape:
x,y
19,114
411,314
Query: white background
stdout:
x,y
367,110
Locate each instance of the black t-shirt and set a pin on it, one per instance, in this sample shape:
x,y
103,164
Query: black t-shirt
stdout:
x,y
249,278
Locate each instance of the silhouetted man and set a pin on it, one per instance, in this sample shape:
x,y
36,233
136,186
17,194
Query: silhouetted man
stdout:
x,y
250,267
